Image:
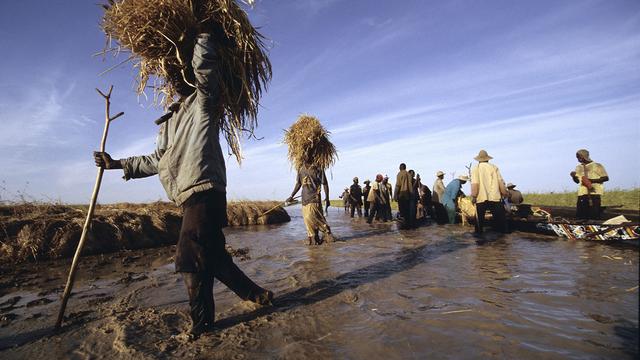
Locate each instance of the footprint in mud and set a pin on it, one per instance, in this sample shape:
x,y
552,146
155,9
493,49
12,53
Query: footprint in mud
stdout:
x,y
34,316
38,302
58,289
9,303
171,319
77,317
99,300
129,259
132,277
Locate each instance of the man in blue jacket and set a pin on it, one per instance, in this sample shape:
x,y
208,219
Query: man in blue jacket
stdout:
x,y
451,193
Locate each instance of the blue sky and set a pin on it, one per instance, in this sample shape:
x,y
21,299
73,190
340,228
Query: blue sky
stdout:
x,y
428,83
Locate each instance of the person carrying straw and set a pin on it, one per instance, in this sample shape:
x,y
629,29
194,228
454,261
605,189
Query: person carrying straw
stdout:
x,y
207,55
311,153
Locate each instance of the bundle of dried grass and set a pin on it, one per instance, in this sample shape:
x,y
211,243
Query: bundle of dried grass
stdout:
x,y
159,36
309,144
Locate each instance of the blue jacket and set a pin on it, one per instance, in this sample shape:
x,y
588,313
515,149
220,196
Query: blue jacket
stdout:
x,y
451,192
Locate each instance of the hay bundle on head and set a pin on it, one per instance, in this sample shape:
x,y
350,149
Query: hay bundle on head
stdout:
x,y
309,144
160,37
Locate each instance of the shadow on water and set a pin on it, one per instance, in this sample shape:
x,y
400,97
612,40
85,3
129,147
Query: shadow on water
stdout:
x,y
360,235
25,338
629,334
327,288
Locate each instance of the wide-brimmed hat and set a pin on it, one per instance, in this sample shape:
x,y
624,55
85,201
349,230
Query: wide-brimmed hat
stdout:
x,y
355,178
510,185
463,178
584,153
439,173
483,156
367,181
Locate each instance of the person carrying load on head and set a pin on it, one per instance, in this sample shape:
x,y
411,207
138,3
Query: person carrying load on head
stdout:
x,y
311,152
188,159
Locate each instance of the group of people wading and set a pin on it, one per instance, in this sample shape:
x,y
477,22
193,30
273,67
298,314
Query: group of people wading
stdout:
x,y
190,164
417,204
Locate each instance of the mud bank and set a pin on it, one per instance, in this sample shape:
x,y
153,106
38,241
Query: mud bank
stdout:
x,y
40,232
378,293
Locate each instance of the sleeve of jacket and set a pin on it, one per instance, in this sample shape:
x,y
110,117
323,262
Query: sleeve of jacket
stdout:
x,y
205,67
136,167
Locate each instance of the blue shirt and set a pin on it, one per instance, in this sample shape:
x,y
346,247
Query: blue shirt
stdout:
x,y
451,191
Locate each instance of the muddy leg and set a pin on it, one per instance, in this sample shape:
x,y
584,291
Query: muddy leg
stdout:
x,y
201,302
236,280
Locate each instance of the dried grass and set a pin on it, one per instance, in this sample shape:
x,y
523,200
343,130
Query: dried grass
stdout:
x,y
309,144
159,37
52,231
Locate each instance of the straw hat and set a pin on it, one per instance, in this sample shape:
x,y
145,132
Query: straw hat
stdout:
x,y
463,178
483,156
584,153
510,186
439,173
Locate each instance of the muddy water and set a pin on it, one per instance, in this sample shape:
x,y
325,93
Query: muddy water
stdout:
x,y
379,293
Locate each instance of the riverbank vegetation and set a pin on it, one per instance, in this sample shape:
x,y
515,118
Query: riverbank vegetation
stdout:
x,y
38,231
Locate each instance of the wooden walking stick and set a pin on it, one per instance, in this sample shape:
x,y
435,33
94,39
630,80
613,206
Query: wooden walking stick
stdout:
x,y
92,205
283,205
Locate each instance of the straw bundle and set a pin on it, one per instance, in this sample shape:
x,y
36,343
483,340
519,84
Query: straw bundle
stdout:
x,y
160,37
309,144
40,231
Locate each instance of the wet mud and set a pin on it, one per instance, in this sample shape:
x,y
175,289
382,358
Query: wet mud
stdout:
x,y
378,292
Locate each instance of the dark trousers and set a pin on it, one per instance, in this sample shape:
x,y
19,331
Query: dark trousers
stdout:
x,y
413,209
588,207
404,206
354,207
376,208
201,255
366,209
498,213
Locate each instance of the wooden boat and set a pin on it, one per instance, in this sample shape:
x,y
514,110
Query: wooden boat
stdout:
x,y
561,221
